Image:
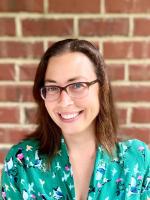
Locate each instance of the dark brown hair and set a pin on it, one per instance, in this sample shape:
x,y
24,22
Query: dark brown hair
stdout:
x,y
47,132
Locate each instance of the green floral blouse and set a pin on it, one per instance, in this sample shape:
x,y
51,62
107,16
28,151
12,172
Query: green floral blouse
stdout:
x,y
125,176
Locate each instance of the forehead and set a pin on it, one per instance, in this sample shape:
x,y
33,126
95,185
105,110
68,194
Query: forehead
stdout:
x,y
68,65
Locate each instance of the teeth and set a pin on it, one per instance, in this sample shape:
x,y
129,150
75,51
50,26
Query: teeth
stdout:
x,y
69,116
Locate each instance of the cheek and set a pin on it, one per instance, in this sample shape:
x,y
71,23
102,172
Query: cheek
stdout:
x,y
95,101
92,100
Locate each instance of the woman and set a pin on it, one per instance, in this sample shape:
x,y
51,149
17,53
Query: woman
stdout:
x,y
74,153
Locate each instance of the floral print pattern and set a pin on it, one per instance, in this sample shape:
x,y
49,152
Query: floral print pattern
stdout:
x,y
125,176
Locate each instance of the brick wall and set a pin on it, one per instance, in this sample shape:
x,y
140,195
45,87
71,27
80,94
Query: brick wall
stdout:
x,y
121,29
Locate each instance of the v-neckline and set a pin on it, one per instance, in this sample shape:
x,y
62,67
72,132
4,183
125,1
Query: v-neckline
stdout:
x,y
70,180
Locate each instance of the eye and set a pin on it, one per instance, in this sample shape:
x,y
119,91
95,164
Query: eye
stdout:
x,y
77,86
52,89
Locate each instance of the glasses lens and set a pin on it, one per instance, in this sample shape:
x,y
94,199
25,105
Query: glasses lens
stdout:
x,y
77,90
50,93
74,90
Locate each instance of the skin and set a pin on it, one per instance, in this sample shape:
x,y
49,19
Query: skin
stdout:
x,y
78,131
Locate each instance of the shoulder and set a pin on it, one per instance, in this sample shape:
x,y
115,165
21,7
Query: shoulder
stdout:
x,y
22,150
135,143
134,151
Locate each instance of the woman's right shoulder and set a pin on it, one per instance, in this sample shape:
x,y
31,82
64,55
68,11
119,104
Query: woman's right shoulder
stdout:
x,y
25,148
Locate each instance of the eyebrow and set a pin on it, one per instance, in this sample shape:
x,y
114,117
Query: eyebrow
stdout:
x,y
69,80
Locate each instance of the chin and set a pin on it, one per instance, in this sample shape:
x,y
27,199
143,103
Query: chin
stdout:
x,y
70,131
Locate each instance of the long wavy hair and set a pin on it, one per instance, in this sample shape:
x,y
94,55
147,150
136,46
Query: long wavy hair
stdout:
x,y
47,132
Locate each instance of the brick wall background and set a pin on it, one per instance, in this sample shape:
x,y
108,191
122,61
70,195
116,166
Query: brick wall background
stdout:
x,y
120,28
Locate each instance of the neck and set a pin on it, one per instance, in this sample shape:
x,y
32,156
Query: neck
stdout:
x,y
81,143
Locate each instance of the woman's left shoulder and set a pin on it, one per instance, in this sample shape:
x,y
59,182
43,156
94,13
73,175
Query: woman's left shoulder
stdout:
x,y
134,143
134,150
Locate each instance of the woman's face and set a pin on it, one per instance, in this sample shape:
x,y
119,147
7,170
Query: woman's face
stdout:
x,y
73,116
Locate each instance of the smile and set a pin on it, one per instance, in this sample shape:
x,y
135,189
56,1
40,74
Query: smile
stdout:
x,y
69,116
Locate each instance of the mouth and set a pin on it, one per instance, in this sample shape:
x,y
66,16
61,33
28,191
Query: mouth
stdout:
x,y
69,117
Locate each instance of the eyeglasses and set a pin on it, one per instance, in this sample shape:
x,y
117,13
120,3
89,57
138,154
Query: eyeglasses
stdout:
x,y
74,90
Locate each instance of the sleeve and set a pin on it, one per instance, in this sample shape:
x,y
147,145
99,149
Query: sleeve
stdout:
x,y
9,186
145,192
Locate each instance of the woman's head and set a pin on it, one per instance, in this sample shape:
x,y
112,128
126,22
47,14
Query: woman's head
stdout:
x,y
72,99
85,60
68,45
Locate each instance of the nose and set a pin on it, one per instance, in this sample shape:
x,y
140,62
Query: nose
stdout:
x,y
65,99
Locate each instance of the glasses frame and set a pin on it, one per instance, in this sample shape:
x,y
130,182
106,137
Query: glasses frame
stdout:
x,y
65,88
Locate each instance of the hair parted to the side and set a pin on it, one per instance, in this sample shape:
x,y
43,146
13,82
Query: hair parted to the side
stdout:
x,y
47,132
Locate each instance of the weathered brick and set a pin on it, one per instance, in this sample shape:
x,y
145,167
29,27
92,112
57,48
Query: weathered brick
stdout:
x,y
74,6
47,27
27,72
141,115
132,94
115,71
14,49
125,6
18,6
127,50
3,153
142,134
13,135
25,93
139,72
9,93
9,115
7,27
7,72
103,27
122,115
16,93
30,115
142,27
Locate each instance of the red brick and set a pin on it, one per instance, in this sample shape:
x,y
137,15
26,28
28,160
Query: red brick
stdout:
x,y
47,27
141,115
30,115
9,115
16,93
27,72
103,27
8,93
125,6
7,72
122,115
74,6
142,27
13,135
7,27
115,71
25,93
3,153
22,49
139,72
132,93
142,134
127,50
17,6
